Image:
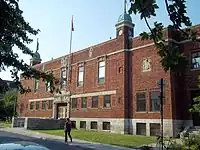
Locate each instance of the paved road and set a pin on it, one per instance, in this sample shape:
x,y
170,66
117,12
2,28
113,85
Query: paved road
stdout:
x,y
76,144
6,137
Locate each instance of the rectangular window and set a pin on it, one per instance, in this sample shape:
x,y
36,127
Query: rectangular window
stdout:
x,y
74,102
36,84
141,128
141,102
107,101
64,72
195,60
50,104
73,124
101,71
63,77
80,75
106,125
95,101
48,87
154,129
37,105
93,125
154,101
43,105
83,124
31,105
84,102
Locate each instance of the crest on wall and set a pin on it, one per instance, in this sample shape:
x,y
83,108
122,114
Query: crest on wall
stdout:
x,y
64,61
90,52
146,65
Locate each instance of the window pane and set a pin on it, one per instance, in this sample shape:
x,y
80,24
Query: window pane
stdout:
x,y
195,60
106,126
93,125
83,124
155,101
81,69
95,101
141,101
107,102
84,102
43,105
37,105
154,129
63,73
74,103
80,77
48,86
101,72
31,105
141,128
36,85
50,104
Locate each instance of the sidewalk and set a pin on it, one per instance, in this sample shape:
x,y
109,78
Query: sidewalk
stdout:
x,y
76,142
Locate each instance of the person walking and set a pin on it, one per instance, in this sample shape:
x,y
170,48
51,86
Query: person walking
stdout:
x,y
68,127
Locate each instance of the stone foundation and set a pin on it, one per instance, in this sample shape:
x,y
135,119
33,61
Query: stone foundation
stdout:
x,y
38,123
128,126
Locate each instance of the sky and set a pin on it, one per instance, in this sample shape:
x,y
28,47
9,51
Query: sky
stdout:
x,y
94,22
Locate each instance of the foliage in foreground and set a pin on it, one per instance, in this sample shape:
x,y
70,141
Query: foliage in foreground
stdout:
x,y
8,104
15,32
171,56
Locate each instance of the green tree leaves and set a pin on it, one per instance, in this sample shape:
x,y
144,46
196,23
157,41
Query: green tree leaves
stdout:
x,y
145,8
171,57
8,103
15,31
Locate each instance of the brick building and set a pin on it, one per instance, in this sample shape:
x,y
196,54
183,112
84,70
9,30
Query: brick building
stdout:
x,y
113,86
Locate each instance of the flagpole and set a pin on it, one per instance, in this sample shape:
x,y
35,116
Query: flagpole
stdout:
x,y
69,69
70,47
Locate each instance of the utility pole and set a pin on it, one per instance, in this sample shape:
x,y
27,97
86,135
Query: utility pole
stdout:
x,y
161,84
161,110
69,69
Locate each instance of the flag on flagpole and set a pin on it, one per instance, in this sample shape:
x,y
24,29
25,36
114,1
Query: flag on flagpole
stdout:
x,y
72,24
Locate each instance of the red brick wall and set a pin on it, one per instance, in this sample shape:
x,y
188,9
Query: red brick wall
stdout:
x,y
123,74
113,81
145,81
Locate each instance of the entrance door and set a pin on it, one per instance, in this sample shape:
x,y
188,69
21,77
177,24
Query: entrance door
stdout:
x,y
62,112
195,116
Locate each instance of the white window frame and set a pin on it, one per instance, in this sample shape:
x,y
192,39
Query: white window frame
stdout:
x,y
80,75
63,76
101,67
195,61
36,85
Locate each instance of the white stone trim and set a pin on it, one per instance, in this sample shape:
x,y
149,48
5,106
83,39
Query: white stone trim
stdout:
x,y
41,99
78,95
94,94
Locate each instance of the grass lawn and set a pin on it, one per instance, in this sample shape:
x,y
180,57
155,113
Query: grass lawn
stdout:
x,y
5,124
105,137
